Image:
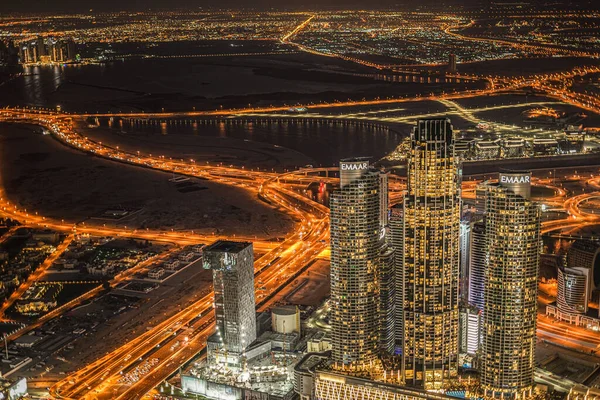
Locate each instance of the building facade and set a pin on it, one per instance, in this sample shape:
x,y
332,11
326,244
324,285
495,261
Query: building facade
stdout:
x,y
333,386
430,258
232,264
465,244
585,254
477,264
572,292
470,330
510,294
387,295
396,239
357,240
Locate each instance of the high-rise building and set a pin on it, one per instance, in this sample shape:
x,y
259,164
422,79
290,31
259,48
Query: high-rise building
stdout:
x,y
357,241
452,63
396,225
48,50
477,264
41,46
585,254
387,295
430,257
573,290
479,205
512,232
470,330
232,264
465,244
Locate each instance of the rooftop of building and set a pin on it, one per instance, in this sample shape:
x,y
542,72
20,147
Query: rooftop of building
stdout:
x,y
506,171
585,245
487,144
271,375
436,130
352,378
227,246
356,159
285,310
312,360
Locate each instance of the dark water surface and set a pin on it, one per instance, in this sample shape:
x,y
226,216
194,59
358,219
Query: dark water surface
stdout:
x,y
325,143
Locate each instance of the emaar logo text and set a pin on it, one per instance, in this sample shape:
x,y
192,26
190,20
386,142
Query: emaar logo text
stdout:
x,y
514,179
354,167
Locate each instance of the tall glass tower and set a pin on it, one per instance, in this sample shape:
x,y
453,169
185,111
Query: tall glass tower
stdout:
x,y
430,257
232,264
510,292
357,249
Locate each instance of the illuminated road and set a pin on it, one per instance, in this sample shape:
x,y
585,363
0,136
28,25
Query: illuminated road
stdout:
x,y
119,278
275,270
181,336
35,275
548,50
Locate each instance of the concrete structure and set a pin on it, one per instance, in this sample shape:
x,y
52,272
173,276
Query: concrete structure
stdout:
x,y
13,389
357,238
573,290
580,392
285,319
576,282
452,63
337,386
513,147
486,149
585,254
512,233
304,374
232,264
430,258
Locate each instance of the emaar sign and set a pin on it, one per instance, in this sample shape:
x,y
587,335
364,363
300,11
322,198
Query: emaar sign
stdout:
x,y
354,166
517,182
515,179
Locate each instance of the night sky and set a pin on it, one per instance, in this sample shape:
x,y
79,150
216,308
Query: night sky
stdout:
x,y
33,6
70,6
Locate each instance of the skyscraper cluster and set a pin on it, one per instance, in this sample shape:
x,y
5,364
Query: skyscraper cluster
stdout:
x,y
47,50
396,286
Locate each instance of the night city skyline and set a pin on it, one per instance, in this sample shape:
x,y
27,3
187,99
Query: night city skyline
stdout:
x,y
318,200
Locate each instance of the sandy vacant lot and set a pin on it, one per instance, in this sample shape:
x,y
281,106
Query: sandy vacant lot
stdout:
x,y
42,175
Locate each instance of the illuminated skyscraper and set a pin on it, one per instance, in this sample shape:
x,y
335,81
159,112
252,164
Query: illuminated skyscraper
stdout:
x,y
452,63
232,264
465,244
572,290
430,257
585,254
387,295
357,241
510,293
477,264
470,330
396,225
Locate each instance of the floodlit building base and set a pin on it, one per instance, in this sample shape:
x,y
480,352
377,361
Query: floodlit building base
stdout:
x,y
337,386
583,320
525,394
580,392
